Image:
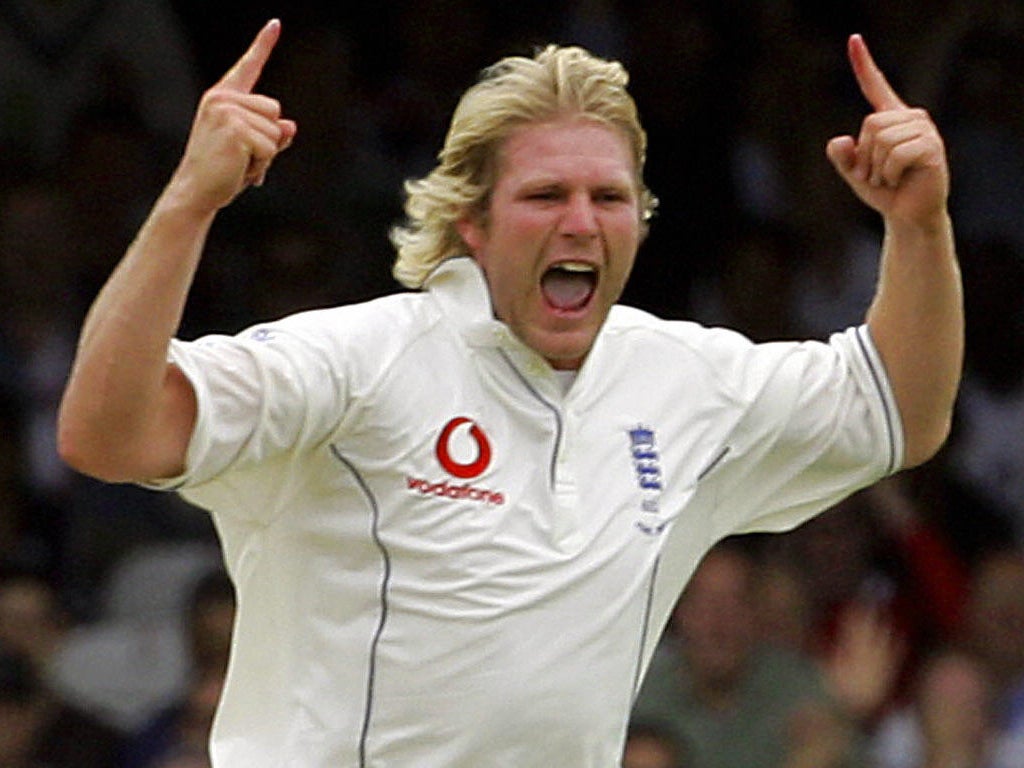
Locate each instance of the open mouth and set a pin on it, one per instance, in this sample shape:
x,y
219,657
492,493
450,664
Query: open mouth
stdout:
x,y
569,285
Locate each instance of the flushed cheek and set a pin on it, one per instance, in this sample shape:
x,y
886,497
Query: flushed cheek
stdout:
x,y
518,302
616,278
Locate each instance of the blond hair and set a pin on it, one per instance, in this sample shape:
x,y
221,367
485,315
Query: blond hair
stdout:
x,y
517,90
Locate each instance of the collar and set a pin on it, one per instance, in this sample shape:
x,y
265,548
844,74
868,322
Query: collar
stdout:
x,y
460,288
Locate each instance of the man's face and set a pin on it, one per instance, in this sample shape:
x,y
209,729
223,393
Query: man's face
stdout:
x,y
715,618
560,236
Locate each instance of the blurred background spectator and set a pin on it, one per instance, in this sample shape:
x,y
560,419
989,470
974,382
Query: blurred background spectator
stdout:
x,y
177,734
38,729
62,59
949,720
737,700
754,231
651,744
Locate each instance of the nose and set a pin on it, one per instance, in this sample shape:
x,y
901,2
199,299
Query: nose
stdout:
x,y
580,219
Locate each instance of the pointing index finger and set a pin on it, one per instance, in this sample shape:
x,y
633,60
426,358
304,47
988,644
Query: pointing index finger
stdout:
x,y
872,82
244,75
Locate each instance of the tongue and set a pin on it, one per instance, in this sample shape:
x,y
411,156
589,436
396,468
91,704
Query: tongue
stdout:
x,y
566,290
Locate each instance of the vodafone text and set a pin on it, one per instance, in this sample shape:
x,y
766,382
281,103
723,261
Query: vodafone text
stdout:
x,y
453,491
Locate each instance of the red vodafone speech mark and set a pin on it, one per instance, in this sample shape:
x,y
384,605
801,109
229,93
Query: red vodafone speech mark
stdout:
x,y
483,457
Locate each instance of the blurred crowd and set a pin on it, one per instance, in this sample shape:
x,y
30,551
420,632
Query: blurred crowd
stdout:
x,y
887,633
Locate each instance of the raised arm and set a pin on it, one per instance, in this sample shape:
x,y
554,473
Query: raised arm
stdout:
x,y
126,413
897,166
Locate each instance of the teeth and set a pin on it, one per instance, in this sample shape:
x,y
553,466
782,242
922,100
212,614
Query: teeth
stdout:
x,y
575,266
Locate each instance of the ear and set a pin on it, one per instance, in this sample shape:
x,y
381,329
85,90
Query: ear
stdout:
x,y
471,230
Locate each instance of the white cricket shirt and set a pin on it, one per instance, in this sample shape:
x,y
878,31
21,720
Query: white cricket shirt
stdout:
x,y
442,561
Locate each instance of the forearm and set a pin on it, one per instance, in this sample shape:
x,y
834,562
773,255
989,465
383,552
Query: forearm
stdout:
x,y
917,323
126,413
121,392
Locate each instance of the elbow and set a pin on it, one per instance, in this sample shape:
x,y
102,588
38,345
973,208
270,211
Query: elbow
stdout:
x,y
71,452
73,449
126,445
922,443
70,442
86,451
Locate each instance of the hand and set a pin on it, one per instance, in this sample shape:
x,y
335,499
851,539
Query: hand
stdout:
x,y
897,164
236,133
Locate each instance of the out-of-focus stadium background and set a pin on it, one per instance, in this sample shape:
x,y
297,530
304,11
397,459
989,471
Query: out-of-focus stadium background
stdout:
x,y
754,231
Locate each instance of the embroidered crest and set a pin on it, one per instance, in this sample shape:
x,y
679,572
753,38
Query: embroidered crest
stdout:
x,y
647,466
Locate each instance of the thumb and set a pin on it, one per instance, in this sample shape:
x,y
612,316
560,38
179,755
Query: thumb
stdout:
x,y
842,154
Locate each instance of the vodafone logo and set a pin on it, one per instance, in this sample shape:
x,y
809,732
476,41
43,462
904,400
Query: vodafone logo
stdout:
x,y
461,432
464,452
